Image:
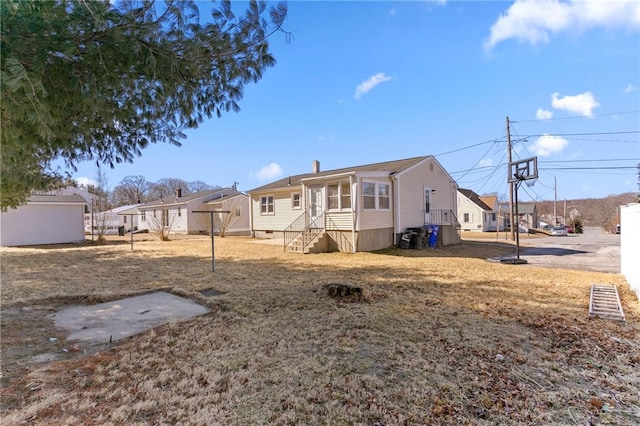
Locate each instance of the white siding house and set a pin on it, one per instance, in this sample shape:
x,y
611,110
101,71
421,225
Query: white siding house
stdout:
x,y
44,219
177,213
476,214
361,208
630,245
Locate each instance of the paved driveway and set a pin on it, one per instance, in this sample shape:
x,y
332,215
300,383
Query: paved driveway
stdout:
x,y
595,250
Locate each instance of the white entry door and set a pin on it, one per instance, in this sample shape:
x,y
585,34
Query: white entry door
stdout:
x,y
427,205
315,202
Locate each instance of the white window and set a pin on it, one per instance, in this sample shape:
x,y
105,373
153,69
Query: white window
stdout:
x,y
345,196
238,211
383,196
165,218
143,216
296,201
376,196
179,212
369,195
333,196
267,205
467,217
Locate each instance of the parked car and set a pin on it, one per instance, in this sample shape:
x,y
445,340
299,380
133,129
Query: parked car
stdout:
x,y
559,231
569,229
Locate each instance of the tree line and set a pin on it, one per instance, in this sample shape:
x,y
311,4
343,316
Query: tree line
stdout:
x,y
137,189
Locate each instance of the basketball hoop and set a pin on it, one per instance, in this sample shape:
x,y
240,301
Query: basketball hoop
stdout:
x,y
530,182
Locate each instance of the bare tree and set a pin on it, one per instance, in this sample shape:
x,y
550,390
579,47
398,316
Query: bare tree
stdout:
x,y
198,185
161,222
167,188
229,209
100,220
131,190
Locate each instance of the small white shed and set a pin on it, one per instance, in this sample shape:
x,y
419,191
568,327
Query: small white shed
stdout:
x,y
44,219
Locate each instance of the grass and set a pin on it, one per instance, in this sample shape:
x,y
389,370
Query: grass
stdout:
x,y
441,337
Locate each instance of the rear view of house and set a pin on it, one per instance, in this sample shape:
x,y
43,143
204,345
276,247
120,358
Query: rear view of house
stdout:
x,y
477,213
179,213
360,208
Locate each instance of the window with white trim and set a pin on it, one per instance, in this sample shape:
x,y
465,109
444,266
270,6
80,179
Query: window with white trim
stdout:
x,y
376,196
345,196
466,218
369,195
143,216
339,196
267,205
296,201
179,212
383,196
238,211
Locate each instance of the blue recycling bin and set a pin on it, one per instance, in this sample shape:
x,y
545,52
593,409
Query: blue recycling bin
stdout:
x,y
433,235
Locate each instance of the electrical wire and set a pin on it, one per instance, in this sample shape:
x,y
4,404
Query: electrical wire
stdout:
x,y
574,117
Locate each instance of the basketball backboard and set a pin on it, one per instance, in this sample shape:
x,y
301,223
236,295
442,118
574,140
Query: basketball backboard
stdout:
x,y
521,170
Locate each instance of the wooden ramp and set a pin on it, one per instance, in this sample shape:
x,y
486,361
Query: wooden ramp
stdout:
x,y
605,302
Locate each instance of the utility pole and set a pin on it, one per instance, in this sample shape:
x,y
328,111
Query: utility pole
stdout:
x,y
555,201
510,183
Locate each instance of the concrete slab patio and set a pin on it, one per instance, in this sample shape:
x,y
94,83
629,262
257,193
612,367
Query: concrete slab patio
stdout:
x,y
116,320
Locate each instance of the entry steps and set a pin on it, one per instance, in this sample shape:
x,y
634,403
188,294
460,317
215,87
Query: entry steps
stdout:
x,y
605,302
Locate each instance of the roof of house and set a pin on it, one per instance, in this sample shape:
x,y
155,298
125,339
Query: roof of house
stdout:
x,y
474,198
490,200
56,198
211,194
392,167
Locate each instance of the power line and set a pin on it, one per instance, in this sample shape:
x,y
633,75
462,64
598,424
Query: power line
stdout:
x,y
557,135
591,168
588,161
468,147
575,116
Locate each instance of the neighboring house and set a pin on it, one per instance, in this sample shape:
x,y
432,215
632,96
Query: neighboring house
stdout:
x,y
527,212
177,213
476,215
360,208
110,221
44,219
630,245
233,216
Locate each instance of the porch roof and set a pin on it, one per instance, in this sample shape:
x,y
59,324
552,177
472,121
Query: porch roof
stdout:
x,y
390,167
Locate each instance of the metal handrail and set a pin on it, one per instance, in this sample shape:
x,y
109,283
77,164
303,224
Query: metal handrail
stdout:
x,y
331,226
304,223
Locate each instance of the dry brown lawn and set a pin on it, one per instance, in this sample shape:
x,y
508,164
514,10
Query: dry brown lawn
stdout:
x,y
441,337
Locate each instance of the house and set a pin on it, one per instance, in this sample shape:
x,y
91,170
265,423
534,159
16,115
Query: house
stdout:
x,y
177,214
111,221
45,219
233,216
527,212
476,214
360,208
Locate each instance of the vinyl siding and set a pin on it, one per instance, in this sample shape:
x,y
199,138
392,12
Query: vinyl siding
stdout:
x,y
411,186
476,214
42,224
283,215
374,219
339,220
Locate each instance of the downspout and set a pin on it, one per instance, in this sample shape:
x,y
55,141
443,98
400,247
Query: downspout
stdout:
x,y
253,234
353,213
396,196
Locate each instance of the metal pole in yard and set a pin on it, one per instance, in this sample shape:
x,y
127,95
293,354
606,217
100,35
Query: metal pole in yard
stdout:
x,y
213,261
131,229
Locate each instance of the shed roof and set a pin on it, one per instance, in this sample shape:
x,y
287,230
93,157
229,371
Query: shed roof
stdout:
x,y
56,198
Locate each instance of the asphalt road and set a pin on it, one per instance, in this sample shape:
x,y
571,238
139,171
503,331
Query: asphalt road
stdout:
x,y
594,250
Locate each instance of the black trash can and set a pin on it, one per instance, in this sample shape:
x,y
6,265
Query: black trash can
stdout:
x,y
405,240
121,231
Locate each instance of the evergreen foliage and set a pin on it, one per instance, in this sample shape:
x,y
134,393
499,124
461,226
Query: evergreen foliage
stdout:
x,y
99,81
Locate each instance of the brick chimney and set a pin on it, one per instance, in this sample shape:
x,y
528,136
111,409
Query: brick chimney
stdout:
x,y
315,167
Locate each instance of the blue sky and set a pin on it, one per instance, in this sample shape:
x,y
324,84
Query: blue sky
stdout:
x,y
371,81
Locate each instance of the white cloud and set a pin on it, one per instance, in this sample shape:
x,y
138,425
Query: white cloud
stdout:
x,y
392,12
486,162
85,181
630,88
369,84
546,145
269,172
543,114
326,138
534,21
583,103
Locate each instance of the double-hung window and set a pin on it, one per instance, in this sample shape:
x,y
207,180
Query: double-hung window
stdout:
x,y
267,205
369,195
296,201
339,196
376,196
